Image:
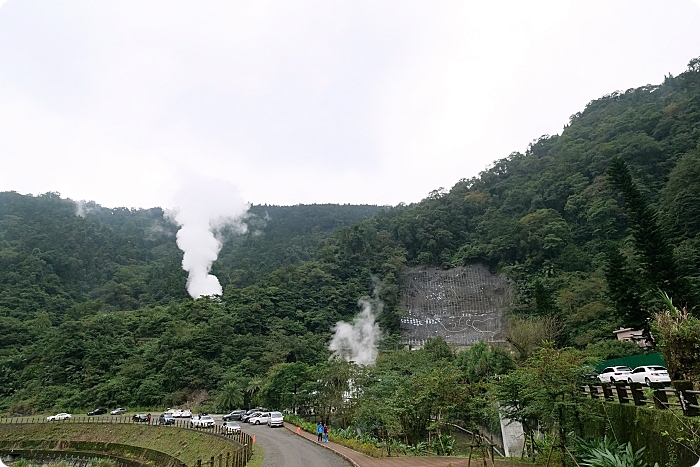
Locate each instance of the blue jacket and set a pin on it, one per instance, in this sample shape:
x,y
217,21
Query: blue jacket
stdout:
x,y
319,429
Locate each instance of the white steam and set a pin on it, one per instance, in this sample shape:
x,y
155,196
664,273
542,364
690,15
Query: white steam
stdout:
x,y
204,207
358,341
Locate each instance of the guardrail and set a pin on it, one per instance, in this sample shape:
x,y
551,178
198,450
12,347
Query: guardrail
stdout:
x,y
663,397
237,458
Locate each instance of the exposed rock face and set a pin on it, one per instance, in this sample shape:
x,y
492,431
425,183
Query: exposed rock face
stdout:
x,y
464,305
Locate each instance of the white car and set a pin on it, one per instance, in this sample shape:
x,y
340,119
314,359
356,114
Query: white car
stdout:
x,y
649,374
118,411
276,419
58,416
259,419
231,427
185,413
613,374
204,421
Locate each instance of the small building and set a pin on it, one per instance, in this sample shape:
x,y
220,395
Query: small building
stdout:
x,y
632,335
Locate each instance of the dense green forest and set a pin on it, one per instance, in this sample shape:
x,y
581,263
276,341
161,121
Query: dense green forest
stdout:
x,y
588,224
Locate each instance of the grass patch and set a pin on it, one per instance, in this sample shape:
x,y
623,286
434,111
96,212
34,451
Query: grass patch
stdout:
x,y
186,445
257,459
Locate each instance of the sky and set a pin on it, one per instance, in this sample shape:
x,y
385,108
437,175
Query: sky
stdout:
x,y
376,102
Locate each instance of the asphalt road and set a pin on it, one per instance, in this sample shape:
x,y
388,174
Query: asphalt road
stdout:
x,y
285,449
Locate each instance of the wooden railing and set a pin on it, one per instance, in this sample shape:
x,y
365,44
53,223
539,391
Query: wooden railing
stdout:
x,y
681,394
238,457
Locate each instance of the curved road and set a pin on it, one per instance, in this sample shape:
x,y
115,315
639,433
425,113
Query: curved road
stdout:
x,y
285,449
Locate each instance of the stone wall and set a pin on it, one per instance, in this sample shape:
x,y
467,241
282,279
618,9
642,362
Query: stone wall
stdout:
x,y
464,305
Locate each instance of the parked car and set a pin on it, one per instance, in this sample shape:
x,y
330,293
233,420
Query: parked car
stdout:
x,y
250,413
182,413
649,374
202,421
140,417
613,374
58,416
231,427
118,411
177,413
246,418
99,411
166,419
235,415
276,419
260,418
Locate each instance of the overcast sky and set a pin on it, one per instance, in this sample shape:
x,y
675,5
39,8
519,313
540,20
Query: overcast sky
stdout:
x,y
375,102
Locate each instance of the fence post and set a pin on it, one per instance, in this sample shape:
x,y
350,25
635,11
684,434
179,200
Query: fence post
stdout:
x,y
593,389
228,458
637,394
621,388
211,461
688,398
199,462
660,396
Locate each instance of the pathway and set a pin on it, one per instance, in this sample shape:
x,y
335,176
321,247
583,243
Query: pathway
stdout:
x,y
361,460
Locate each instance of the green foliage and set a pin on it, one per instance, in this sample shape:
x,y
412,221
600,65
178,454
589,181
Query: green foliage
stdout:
x,y
678,337
608,453
545,391
230,397
659,267
481,362
612,348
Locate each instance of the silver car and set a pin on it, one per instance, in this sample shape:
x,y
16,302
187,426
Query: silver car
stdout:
x,y
203,421
259,419
231,427
276,419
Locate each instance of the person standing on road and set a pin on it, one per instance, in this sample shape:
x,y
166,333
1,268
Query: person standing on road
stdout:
x,y
325,433
319,431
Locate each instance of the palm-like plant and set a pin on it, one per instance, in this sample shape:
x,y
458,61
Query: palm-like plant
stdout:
x,y
230,397
254,386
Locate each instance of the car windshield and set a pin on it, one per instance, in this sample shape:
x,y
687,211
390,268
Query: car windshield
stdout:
x,y
276,414
206,418
624,368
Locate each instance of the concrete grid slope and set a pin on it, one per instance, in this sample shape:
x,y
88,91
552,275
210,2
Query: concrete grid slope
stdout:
x,y
361,460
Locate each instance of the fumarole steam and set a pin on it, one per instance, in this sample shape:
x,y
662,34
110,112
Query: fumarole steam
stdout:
x,y
358,341
204,207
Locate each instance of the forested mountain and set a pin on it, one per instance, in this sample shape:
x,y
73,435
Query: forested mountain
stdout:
x,y
93,309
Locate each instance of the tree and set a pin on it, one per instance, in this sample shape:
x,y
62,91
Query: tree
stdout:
x,y
545,391
659,267
480,362
230,397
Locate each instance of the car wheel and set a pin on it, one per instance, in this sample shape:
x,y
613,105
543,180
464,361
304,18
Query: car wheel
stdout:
x,y
612,380
646,380
629,380
257,422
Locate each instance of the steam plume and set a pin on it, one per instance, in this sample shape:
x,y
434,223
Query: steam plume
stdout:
x,y
358,341
204,207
